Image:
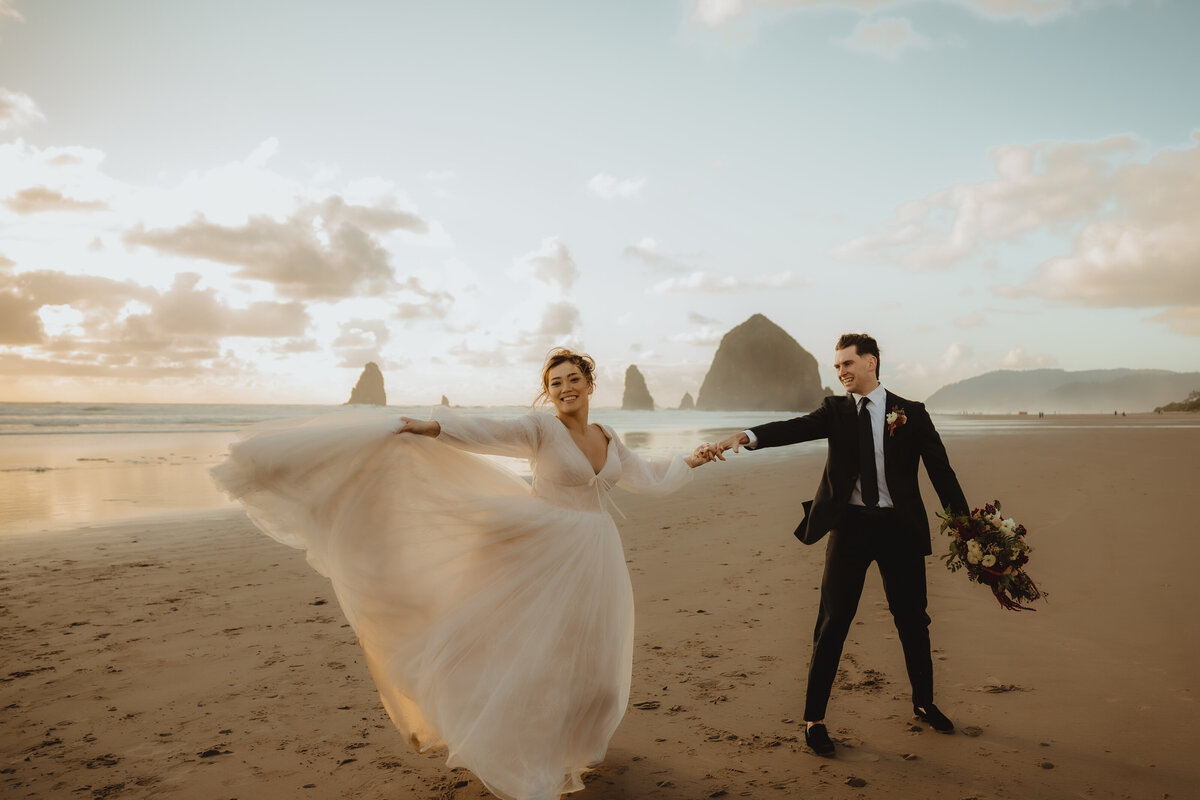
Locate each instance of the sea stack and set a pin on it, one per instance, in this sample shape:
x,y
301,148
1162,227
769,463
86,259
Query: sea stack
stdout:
x,y
637,396
759,367
369,389
687,403
445,400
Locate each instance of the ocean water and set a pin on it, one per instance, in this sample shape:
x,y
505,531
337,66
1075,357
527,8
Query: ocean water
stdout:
x,y
63,465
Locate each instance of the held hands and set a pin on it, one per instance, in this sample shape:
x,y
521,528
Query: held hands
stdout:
x,y
710,451
424,427
701,455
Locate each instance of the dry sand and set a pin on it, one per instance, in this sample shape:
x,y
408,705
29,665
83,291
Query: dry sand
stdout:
x,y
195,658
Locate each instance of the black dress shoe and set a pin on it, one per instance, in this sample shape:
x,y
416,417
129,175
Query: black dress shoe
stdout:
x,y
934,716
817,738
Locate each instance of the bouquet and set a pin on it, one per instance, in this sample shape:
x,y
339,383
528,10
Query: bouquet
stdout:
x,y
992,550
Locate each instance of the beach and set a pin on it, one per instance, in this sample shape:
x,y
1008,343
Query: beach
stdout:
x,y
190,656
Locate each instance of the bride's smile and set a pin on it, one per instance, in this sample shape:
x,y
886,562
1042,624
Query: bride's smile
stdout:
x,y
568,388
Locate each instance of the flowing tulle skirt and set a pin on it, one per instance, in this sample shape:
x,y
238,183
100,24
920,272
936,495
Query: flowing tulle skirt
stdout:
x,y
493,622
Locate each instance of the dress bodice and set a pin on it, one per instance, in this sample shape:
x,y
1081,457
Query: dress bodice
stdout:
x,y
563,475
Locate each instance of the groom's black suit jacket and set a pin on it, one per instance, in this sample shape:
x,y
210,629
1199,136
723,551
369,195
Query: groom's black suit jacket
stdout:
x,y
908,444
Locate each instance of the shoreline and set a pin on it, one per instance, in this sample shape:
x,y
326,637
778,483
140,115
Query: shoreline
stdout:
x,y
142,655
55,482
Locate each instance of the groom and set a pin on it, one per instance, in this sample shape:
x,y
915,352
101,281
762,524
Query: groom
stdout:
x,y
869,503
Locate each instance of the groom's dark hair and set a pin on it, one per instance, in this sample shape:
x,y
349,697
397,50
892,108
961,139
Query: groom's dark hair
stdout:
x,y
863,344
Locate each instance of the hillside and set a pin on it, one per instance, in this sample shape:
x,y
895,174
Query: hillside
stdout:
x,y
1060,391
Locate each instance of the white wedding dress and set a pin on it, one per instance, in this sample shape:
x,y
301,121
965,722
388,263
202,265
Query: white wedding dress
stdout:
x,y
496,617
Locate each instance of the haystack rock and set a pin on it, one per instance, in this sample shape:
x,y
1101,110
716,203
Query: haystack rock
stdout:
x,y
759,367
445,400
369,389
687,403
637,396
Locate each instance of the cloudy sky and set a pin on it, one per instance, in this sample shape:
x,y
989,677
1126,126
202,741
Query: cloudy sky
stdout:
x,y
245,202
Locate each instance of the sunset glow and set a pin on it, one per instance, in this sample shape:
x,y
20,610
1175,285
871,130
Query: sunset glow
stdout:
x,y
231,202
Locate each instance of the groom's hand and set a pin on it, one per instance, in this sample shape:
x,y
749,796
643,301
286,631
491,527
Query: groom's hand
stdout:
x,y
731,442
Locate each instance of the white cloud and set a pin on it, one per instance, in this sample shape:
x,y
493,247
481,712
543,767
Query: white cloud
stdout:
x,y
481,358
612,188
19,320
969,320
38,199
1145,253
100,302
1046,185
325,174
650,252
887,37
289,347
954,355
705,335
226,266
561,325
360,341
7,10
551,263
323,250
90,325
560,320
1017,358
1130,222
716,14
61,320
17,109
432,304
1184,319
186,310
266,150
706,282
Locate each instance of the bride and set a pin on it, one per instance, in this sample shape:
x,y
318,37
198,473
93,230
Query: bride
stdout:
x,y
496,617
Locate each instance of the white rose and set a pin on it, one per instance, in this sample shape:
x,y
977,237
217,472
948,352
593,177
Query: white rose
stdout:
x,y
891,417
989,560
973,546
974,556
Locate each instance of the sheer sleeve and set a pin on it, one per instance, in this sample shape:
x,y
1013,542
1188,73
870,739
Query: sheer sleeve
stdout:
x,y
518,438
653,476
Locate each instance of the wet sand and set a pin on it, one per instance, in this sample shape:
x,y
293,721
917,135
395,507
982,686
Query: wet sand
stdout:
x,y
192,657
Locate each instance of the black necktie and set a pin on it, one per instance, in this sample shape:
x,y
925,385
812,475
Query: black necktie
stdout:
x,y
866,458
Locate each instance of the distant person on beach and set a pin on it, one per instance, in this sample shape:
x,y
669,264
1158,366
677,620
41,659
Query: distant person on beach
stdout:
x,y
496,617
869,503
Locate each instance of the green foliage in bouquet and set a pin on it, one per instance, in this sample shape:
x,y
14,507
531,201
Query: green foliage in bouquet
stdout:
x,y
993,551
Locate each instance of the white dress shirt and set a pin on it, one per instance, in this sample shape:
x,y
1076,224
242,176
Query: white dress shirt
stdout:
x,y
877,408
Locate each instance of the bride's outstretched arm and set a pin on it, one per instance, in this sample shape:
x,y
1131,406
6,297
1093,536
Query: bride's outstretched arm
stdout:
x,y
517,438
651,476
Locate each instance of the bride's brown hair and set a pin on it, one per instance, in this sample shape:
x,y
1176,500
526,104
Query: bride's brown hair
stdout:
x,y
559,355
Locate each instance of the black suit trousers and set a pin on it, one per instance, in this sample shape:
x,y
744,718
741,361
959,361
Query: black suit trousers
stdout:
x,y
862,537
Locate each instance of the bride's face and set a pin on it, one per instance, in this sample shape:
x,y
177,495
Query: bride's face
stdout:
x,y
568,388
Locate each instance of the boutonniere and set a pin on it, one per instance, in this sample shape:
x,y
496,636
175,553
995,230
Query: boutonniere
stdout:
x,y
895,419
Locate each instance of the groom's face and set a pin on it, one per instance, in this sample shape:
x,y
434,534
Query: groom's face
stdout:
x,y
857,373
